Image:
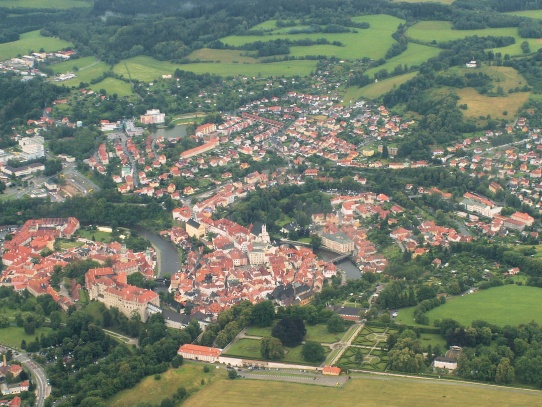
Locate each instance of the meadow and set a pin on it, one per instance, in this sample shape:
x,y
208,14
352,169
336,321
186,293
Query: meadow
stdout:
x,y
149,390
377,89
88,68
112,86
29,42
49,4
228,56
441,31
363,390
148,69
483,105
506,305
317,333
371,43
414,55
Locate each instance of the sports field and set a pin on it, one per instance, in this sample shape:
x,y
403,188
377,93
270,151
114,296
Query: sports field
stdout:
x,y
506,305
365,390
441,31
372,42
49,4
29,42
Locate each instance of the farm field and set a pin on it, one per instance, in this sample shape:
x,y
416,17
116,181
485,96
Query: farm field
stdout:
x,y
415,54
49,4
363,390
377,89
112,86
31,42
149,390
441,31
506,305
372,42
13,335
227,56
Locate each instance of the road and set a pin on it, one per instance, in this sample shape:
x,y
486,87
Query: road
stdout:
x,y
42,388
80,182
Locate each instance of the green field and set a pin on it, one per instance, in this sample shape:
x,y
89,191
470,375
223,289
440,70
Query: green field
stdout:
x,y
414,55
88,68
228,56
372,42
364,390
377,89
527,13
13,335
316,333
148,69
31,42
49,4
506,305
441,31
112,86
96,234
152,391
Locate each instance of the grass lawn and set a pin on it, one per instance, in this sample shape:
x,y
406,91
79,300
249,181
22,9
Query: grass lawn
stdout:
x,y
506,305
316,333
366,390
96,234
13,335
83,296
414,55
112,86
93,309
152,391
31,42
49,4
90,69
247,348
433,340
372,42
441,31
377,89
68,244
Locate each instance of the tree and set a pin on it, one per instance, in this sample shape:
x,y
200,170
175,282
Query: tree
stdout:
x,y
271,349
335,324
290,331
313,352
505,372
316,241
176,361
232,374
263,314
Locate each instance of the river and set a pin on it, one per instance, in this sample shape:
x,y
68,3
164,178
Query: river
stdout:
x,y
346,265
175,132
167,255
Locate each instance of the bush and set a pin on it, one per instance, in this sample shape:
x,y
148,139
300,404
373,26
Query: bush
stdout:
x,y
157,377
205,369
313,352
232,374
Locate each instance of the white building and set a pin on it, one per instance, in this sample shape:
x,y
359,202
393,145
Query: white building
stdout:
x,y
32,147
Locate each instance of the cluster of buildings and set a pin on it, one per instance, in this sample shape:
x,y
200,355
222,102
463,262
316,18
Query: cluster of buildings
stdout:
x,y
25,64
30,257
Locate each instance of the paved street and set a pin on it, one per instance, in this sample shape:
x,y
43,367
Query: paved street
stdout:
x,y
40,379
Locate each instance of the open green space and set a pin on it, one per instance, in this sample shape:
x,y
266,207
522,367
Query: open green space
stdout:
x,y
88,68
113,86
316,333
433,340
83,296
228,56
49,4
13,335
95,235
441,31
506,305
149,390
67,244
31,42
377,89
363,390
348,358
372,42
414,55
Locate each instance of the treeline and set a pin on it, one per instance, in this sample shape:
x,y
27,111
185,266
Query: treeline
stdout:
x,y
274,47
78,142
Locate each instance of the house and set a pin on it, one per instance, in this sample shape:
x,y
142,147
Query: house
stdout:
x,y
194,228
331,370
201,353
445,363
